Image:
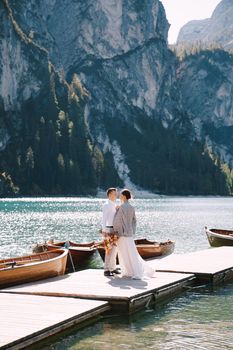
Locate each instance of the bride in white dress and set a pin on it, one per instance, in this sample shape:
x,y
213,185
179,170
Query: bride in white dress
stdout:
x,y
124,224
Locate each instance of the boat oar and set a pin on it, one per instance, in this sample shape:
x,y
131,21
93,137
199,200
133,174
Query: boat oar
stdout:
x,y
67,245
23,262
9,263
16,263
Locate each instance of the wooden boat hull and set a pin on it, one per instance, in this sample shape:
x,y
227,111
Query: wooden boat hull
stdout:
x,y
147,249
80,253
219,238
156,249
32,267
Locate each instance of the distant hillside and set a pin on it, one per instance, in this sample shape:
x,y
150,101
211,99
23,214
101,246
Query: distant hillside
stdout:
x,y
205,80
217,29
91,96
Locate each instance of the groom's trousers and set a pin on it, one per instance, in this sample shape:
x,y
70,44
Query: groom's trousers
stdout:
x,y
110,259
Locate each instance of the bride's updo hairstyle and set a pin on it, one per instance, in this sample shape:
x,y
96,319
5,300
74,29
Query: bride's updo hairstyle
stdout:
x,y
126,193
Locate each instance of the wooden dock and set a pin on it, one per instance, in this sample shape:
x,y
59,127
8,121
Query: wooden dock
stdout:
x,y
213,265
37,310
26,319
123,294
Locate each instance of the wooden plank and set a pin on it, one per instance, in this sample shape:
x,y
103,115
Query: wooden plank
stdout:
x,y
92,284
29,318
213,264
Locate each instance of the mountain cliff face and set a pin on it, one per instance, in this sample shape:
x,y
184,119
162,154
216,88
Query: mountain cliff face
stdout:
x,y
102,36
217,29
90,96
44,147
205,80
206,85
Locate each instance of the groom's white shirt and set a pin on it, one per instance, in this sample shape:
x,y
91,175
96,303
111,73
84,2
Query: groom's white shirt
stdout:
x,y
109,211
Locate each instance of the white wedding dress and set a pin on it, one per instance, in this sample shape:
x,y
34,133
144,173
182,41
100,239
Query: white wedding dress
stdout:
x,y
131,263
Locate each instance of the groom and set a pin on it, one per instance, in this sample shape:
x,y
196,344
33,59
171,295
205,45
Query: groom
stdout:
x,y
109,211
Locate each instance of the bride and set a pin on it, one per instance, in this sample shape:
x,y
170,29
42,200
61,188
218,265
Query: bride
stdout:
x,y
124,224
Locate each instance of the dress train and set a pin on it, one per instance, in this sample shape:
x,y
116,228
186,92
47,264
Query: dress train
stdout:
x,y
132,265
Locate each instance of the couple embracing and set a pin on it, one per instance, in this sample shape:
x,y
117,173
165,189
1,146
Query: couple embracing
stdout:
x,y
118,230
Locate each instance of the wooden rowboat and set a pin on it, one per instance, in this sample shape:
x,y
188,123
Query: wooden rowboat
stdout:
x,y
32,267
151,249
79,253
147,249
218,237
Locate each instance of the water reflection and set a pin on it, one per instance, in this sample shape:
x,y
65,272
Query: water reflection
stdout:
x,y
197,320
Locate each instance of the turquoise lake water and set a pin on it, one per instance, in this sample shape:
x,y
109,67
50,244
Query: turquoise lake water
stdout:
x,y
198,319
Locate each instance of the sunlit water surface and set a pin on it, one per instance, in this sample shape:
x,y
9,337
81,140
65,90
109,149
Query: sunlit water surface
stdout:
x,y
199,319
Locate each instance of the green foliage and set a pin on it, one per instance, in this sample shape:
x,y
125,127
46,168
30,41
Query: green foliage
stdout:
x,y
52,152
163,161
23,37
228,173
7,187
109,176
183,50
98,162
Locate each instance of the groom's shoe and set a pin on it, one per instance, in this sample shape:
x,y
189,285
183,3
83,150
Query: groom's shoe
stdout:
x,y
108,273
116,271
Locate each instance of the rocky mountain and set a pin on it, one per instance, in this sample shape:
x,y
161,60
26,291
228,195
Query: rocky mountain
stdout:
x,y
205,80
90,97
217,29
44,147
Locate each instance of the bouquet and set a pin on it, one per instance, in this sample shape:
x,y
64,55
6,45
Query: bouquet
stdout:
x,y
109,241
